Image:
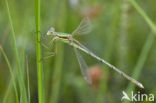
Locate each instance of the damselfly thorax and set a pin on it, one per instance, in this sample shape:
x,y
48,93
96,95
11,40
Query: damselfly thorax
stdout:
x,y
64,35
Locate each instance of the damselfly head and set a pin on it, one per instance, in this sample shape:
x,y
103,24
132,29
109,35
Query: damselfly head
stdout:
x,y
51,31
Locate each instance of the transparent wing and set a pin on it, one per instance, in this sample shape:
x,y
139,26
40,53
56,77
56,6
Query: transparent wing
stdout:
x,y
84,27
81,45
83,66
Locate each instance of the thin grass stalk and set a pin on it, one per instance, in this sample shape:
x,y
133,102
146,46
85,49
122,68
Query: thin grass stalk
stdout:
x,y
28,84
141,61
20,76
12,75
57,74
123,36
38,53
22,59
146,47
144,15
101,96
8,91
103,89
56,81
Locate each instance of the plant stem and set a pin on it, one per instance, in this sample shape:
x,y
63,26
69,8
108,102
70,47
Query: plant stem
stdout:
x,y
144,15
103,93
146,48
20,76
38,53
28,84
12,75
56,81
141,61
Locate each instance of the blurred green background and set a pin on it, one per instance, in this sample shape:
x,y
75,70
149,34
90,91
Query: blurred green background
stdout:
x,y
120,35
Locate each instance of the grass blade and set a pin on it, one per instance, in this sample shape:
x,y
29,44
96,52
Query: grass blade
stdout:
x,y
8,92
103,88
144,15
58,67
146,47
38,53
12,75
28,84
56,81
20,76
141,61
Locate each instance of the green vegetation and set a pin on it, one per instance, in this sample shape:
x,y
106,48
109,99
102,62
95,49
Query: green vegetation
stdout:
x,y
123,33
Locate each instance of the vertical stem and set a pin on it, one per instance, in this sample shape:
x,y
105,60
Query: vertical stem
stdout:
x,y
144,15
57,73
103,92
12,75
38,52
28,84
141,61
146,48
56,81
122,43
16,53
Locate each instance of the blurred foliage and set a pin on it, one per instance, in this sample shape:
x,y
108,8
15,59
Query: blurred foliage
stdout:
x,y
119,34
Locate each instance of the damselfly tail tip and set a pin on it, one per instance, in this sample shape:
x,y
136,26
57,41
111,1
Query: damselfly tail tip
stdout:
x,y
140,85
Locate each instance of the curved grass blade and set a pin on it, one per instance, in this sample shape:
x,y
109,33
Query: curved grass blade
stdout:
x,y
28,81
13,78
83,67
20,76
84,27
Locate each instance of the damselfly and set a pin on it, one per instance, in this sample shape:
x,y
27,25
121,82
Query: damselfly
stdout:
x,y
84,28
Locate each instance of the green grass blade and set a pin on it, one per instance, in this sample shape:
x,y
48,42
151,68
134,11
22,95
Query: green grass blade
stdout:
x,y
56,81
141,61
57,74
20,76
144,15
103,88
38,53
28,84
12,75
146,47
8,91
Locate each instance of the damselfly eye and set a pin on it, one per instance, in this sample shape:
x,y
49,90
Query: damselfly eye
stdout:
x,y
51,31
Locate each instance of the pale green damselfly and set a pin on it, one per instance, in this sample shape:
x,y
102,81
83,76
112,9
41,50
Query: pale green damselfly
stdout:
x,y
84,28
